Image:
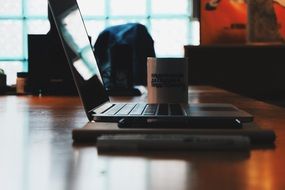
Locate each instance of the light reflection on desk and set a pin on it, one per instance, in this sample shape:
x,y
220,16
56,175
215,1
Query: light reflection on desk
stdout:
x,y
127,172
13,142
261,170
37,153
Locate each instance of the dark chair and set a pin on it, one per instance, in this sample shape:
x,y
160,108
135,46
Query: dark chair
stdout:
x,y
129,45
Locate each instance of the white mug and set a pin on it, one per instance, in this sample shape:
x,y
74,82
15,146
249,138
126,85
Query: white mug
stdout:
x,y
167,80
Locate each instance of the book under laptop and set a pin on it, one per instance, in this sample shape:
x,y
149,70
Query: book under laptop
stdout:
x,y
90,86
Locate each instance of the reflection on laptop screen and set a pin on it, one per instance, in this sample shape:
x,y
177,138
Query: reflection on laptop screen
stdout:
x,y
75,36
79,53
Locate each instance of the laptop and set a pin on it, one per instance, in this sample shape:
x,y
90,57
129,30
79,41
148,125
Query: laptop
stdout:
x,y
90,86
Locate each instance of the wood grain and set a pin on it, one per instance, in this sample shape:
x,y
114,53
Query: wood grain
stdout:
x,y
37,152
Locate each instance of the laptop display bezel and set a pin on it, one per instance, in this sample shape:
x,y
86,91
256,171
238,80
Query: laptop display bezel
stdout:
x,y
91,91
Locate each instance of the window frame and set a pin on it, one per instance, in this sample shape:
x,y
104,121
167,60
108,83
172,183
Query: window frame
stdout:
x,y
24,17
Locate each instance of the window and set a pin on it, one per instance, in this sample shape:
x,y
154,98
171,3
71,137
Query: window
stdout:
x,y
168,21
17,19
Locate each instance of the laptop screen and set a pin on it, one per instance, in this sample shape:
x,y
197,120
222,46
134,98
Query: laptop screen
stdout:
x,y
79,52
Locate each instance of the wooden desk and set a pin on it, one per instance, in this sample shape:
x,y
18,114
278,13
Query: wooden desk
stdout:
x,y
36,152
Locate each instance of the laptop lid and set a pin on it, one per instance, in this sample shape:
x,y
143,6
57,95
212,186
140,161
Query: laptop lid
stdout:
x,y
79,53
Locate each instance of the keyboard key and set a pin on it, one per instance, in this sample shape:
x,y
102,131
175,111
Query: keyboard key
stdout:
x,y
150,109
162,109
115,109
126,109
175,109
138,109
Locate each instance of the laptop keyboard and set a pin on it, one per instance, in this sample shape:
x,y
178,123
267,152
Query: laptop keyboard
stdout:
x,y
145,109
150,109
138,109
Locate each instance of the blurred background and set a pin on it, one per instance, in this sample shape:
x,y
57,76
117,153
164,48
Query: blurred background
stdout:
x,y
170,22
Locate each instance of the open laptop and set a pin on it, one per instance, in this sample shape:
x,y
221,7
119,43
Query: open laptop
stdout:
x,y
90,85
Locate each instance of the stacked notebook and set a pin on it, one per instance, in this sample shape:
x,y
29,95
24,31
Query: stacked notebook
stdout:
x,y
110,137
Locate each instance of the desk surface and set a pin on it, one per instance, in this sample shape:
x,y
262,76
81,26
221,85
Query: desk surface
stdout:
x,y
36,151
